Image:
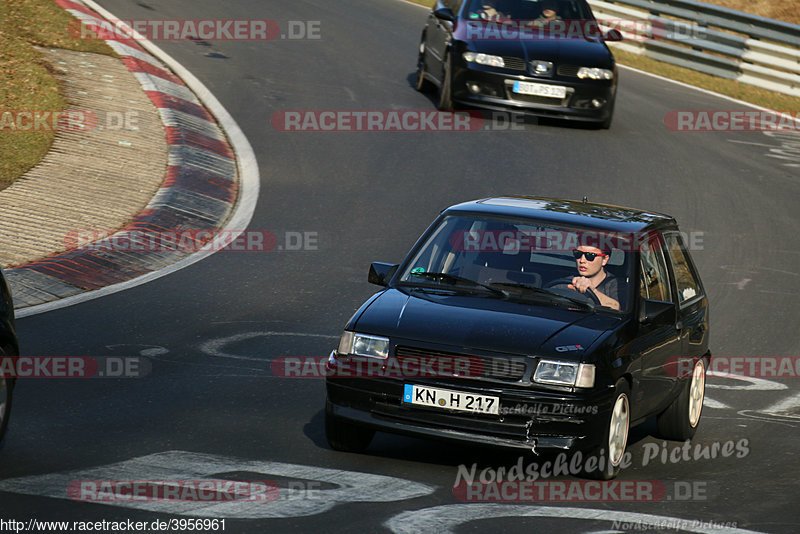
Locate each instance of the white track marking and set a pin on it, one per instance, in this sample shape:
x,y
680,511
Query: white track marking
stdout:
x,y
215,347
782,408
711,403
444,519
755,384
349,486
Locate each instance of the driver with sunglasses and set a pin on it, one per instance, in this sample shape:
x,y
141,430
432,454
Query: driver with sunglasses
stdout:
x,y
590,262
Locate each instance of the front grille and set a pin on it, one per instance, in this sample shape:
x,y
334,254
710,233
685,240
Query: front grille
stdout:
x,y
514,63
499,368
568,70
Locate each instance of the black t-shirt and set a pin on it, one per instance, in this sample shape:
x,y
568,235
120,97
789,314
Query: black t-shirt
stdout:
x,y
610,288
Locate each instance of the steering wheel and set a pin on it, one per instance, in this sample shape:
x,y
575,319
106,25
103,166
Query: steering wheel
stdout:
x,y
561,287
487,12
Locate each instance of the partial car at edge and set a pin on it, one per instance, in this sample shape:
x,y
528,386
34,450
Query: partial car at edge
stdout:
x,y
8,348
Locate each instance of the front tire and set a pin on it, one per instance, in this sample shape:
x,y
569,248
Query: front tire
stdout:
x,y
680,420
446,89
610,452
343,435
606,124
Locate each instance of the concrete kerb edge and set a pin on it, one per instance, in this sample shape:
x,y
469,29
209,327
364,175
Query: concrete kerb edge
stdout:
x,y
248,184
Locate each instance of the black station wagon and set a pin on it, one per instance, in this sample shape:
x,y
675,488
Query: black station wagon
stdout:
x,y
533,323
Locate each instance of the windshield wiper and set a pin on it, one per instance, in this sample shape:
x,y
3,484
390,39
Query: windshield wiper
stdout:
x,y
549,294
455,280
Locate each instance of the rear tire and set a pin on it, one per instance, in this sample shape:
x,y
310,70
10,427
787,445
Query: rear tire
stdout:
x,y
6,394
343,435
422,85
680,420
610,452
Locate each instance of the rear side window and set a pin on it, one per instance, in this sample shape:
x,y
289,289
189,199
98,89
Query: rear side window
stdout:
x,y
454,5
654,280
686,278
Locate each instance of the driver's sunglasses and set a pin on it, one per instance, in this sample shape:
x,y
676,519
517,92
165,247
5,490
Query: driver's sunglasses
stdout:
x,y
590,256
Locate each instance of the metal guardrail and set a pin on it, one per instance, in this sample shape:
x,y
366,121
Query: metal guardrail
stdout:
x,y
710,39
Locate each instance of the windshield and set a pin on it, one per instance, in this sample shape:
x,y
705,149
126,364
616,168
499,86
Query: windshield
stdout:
x,y
523,259
530,9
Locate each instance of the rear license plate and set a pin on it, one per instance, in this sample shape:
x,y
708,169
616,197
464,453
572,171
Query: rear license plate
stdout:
x,y
450,399
540,89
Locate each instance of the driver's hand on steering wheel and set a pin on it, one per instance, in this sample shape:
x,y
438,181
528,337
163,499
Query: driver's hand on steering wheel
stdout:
x,y
488,12
580,284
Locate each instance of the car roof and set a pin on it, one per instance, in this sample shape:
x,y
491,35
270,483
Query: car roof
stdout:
x,y
566,212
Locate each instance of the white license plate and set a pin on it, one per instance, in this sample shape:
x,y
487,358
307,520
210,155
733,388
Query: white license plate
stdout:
x,y
450,400
540,89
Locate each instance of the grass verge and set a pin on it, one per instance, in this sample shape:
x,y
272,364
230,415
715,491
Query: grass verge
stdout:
x,y
26,80
741,91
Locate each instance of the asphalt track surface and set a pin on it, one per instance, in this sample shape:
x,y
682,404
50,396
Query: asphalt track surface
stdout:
x,y
211,330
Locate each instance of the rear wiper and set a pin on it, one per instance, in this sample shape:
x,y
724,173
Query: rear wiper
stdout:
x,y
540,291
453,279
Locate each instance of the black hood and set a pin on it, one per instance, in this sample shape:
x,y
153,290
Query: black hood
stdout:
x,y
483,323
583,52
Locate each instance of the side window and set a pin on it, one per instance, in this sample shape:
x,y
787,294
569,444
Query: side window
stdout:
x,y
454,5
685,276
655,280
643,286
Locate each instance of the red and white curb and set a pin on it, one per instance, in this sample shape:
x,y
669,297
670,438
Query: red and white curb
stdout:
x,y
211,184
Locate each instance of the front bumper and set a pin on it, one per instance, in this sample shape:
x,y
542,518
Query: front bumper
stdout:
x,y
495,92
529,419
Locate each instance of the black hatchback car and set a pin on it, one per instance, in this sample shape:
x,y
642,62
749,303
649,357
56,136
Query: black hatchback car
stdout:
x,y
541,57
525,322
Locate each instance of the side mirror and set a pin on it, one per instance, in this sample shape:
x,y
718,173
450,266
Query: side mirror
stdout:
x,y
445,13
380,273
612,35
657,312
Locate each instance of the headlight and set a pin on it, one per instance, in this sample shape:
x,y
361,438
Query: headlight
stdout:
x,y
564,373
363,345
595,74
484,59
